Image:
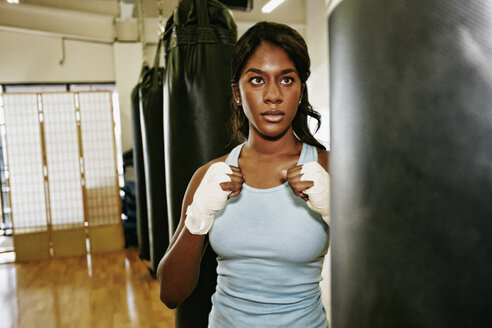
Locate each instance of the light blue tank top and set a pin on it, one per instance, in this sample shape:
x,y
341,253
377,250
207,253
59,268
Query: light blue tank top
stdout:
x,y
270,249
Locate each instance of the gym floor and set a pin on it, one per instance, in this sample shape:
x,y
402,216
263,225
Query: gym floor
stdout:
x,y
6,244
99,290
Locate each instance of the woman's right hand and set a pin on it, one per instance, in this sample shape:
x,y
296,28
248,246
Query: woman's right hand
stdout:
x,y
219,183
236,184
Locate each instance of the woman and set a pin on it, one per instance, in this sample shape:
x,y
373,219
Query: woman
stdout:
x,y
265,205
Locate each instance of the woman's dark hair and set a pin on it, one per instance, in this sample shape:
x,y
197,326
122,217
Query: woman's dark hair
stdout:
x,y
293,44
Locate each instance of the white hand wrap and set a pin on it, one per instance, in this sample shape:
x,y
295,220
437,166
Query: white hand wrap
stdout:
x,y
208,199
319,194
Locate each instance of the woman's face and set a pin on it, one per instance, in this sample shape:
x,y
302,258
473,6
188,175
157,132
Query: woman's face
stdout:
x,y
269,91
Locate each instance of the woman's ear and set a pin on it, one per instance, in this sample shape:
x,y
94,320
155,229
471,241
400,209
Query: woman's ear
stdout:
x,y
303,86
236,93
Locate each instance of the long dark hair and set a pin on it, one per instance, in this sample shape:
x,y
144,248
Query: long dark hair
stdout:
x,y
293,44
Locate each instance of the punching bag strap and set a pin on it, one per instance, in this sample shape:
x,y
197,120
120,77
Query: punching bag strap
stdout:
x,y
202,13
157,60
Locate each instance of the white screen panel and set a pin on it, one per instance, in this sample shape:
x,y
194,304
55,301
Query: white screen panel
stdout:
x,y
25,162
62,152
102,196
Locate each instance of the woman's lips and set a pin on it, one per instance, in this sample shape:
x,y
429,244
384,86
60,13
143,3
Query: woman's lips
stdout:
x,y
273,115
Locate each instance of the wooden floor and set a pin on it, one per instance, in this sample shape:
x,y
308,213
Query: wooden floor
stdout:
x,y
103,290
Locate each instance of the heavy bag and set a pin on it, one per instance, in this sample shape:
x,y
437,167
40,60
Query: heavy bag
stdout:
x,y
198,42
411,163
151,115
138,169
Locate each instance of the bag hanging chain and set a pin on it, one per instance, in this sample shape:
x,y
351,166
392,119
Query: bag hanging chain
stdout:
x,y
161,18
141,23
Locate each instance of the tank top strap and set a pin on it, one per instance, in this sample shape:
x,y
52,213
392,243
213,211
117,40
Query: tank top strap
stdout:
x,y
233,157
309,153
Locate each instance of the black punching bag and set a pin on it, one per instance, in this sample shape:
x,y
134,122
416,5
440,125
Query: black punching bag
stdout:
x,y
151,115
139,171
199,38
411,163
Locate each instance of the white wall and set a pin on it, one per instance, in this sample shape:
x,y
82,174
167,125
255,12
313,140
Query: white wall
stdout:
x,y
317,40
127,63
29,58
318,86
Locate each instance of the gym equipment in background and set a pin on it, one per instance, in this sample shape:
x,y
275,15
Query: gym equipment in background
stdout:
x,y
198,42
411,163
139,172
151,125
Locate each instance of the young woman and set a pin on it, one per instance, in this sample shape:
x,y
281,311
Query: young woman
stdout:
x,y
264,206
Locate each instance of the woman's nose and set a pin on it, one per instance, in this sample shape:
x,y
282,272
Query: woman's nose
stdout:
x,y
272,93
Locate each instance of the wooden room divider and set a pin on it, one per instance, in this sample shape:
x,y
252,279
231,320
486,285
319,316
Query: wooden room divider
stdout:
x,y
62,173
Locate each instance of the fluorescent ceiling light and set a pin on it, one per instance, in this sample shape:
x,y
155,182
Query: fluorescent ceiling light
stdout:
x,y
272,4
13,1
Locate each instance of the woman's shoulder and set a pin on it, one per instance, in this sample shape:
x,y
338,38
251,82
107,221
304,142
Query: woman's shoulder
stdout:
x,y
324,159
218,159
200,172
235,152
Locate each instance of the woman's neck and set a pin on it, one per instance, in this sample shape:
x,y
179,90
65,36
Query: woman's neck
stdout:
x,y
288,143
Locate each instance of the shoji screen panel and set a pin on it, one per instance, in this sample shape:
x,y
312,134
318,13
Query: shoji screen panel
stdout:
x,y
22,115
103,205
63,162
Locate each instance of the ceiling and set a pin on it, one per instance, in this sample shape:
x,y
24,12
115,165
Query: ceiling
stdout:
x,y
290,12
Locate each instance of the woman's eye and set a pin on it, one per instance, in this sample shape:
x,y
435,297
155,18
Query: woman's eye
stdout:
x,y
256,80
287,80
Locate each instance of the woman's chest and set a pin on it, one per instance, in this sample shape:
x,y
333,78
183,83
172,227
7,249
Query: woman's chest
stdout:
x,y
264,174
277,225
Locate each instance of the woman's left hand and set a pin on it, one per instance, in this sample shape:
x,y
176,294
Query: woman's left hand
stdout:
x,y
293,177
312,183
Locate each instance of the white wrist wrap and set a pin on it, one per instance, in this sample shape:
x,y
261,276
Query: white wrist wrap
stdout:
x,y
208,199
319,193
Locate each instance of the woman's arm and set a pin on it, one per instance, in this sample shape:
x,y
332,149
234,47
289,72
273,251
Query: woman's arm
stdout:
x,y
324,159
179,269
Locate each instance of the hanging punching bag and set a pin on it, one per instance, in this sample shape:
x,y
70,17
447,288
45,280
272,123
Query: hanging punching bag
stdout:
x,y
411,163
151,116
138,169
199,38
